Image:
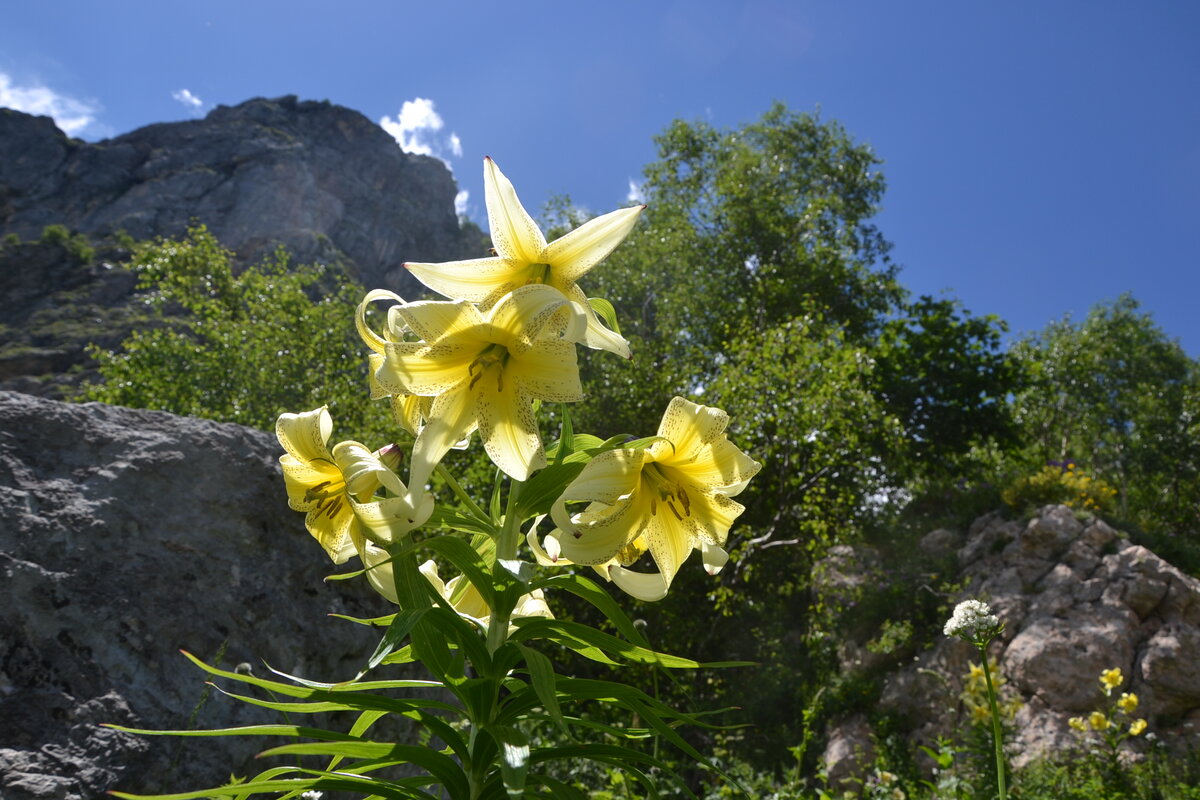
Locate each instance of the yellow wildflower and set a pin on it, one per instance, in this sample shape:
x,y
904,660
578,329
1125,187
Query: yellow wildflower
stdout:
x,y
1128,702
523,257
1078,724
670,498
1110,679
1136,727
1098,721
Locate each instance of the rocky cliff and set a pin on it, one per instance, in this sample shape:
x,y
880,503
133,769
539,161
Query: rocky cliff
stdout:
x,y
322,180
318,178
125,536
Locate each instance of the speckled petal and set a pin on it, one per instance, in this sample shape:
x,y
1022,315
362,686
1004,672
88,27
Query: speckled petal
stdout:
x,y
670,542
472,280
304,435
606,479
330,525
520,317
571,256
426,369
690,426
719,465
508,428
514,233
548,371
602,534
433,320
452,418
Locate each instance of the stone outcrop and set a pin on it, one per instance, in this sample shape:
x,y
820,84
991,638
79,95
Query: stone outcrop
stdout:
x,y
318,178
322,180
1076,598
125,536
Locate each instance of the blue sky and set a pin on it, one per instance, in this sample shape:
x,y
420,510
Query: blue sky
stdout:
x,y
1041,156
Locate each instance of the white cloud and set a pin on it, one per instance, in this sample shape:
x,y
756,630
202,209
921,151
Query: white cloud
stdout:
x,y
73,116
460,202
634,195
417,129
188,99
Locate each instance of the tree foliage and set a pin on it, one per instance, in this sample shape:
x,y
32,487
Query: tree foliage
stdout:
x,y
1116,395
240,347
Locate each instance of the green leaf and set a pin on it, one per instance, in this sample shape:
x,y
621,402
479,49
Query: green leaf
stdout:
x,y
601,600
401,626
541,674
606,311
574,633
545,486
469,563
440,766
514,757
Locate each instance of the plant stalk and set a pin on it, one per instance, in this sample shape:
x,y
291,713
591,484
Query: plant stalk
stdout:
x,y
997,738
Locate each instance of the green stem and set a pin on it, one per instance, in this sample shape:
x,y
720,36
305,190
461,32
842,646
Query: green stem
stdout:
x,y
996,734
506,550
461,493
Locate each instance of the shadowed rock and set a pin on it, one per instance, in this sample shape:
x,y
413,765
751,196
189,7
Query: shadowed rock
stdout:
x,y
127,535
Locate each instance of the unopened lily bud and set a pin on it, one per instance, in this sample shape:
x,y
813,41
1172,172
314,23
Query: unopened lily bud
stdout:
x,y
391,456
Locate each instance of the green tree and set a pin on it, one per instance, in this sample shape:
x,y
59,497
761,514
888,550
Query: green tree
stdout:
x,y
759,283
1116,395
242,347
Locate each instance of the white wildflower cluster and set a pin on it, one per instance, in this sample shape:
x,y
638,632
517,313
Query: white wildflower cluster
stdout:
x,y
972,620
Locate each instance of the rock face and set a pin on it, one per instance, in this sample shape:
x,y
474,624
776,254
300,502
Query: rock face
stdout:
x,y
1076,598
321,179
127,535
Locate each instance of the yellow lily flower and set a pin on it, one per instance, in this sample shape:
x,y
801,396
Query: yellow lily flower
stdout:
x,y
484,372
409,410
523,257
337,487
670,498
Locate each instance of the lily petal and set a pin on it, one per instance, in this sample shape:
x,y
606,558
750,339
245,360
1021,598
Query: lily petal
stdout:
x,y
525,314
605,532
437,319
720,464
425,369
509,430
606,479
712,516
514,233
370,337
669,542
647,586
332,530
379,571
577,252
596,335
715,558
452,418
690,426
304,435
548,371
474,280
